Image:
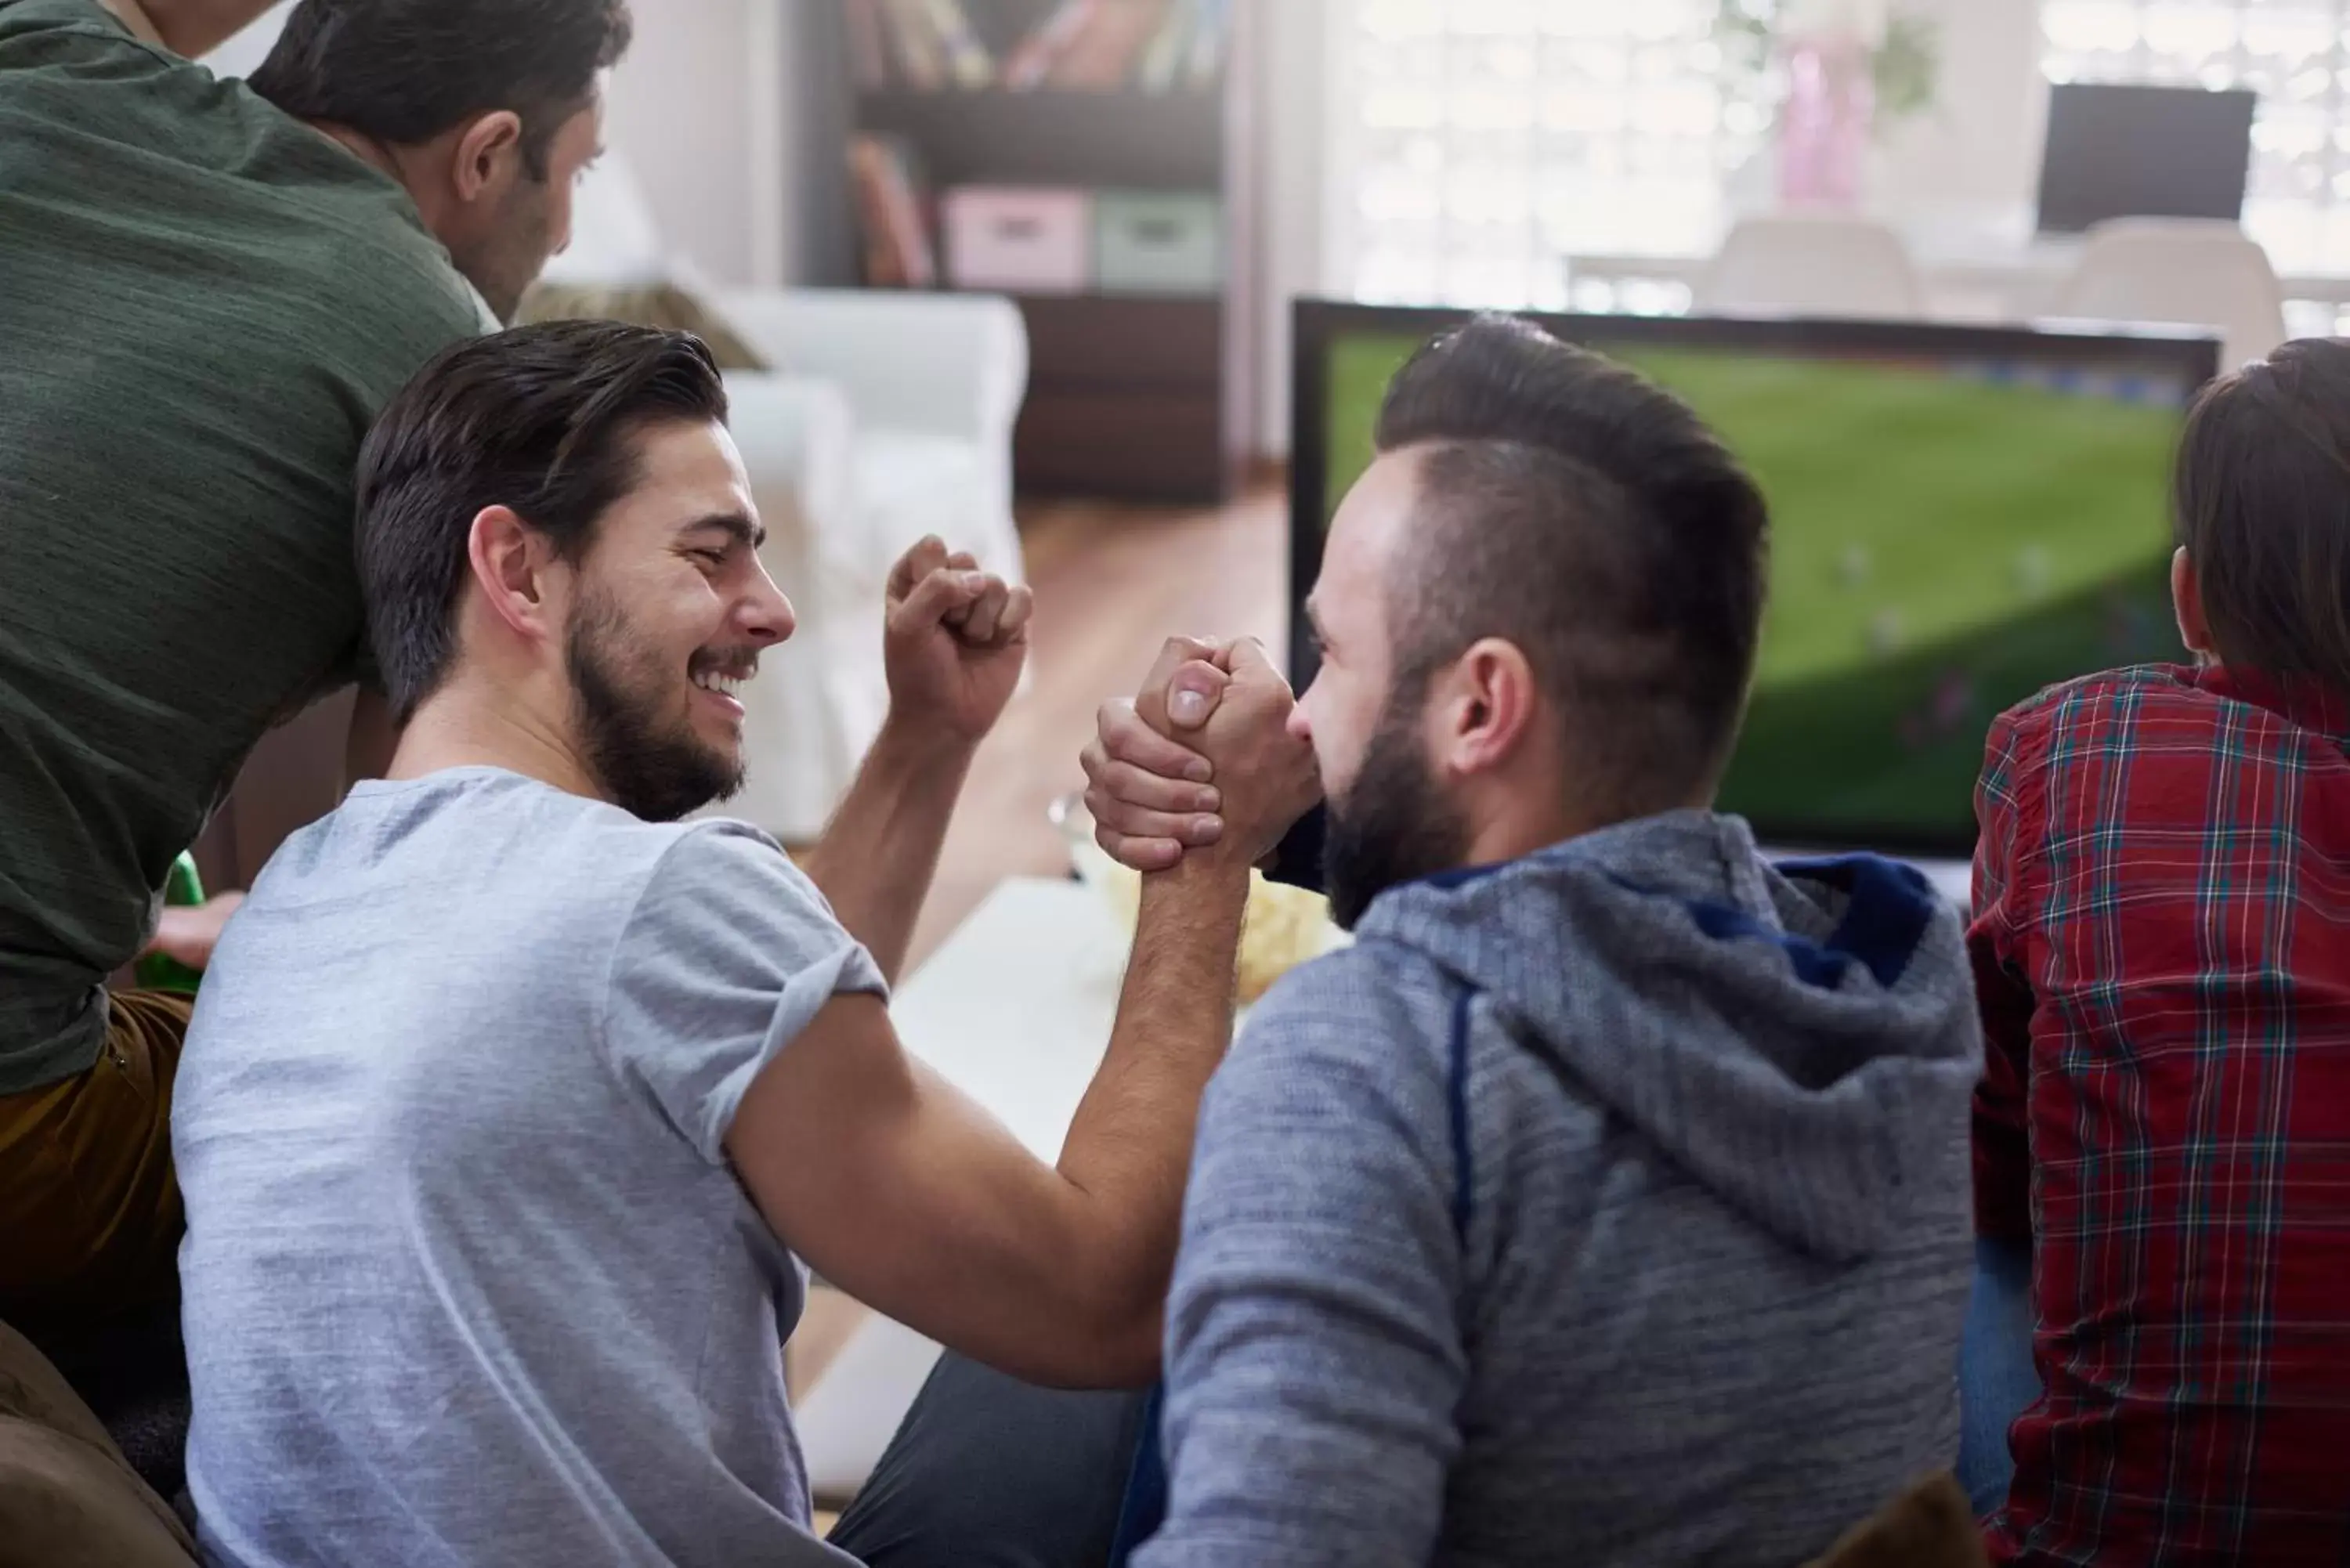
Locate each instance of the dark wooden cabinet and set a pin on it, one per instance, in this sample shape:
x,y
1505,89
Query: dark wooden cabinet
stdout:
x,y
1126,400
1155,141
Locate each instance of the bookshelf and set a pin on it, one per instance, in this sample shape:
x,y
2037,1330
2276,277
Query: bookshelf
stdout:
x,y
1133,394
1168,142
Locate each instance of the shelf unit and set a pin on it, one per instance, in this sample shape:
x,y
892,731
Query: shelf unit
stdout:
x,y
1130,397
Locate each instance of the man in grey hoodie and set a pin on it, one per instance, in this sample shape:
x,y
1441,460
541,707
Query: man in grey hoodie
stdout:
x,y
1607,1202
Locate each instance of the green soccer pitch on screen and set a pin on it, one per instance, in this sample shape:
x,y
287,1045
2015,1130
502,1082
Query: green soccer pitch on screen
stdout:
x,y
1948,537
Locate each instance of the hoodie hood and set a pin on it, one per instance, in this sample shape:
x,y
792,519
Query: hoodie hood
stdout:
x,y
1802,1040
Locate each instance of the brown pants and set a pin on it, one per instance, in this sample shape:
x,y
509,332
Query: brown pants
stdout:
x,y
89,1206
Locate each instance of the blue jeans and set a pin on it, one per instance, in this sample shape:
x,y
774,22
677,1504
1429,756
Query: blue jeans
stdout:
x,y
1997,1381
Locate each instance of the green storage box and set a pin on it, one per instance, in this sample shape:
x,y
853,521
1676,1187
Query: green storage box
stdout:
x,y
1149,241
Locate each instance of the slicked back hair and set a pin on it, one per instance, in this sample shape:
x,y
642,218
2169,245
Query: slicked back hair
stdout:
x,y
542,420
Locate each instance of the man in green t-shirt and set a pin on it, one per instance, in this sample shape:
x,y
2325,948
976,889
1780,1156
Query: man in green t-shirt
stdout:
x,y
207,289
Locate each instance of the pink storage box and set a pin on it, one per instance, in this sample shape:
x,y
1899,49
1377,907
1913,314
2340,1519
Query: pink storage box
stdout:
x,y
1021,240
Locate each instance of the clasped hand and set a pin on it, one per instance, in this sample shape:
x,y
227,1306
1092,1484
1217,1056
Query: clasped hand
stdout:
x,y
1204,760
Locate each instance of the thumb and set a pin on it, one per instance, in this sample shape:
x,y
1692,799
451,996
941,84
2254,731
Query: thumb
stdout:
x,y
1194,693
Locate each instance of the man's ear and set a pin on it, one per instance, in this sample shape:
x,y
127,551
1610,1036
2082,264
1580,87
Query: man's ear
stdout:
x,y
1486,704
2186,604
510,559
488,156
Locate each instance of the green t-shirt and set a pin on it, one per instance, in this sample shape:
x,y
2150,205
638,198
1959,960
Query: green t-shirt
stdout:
x,y
202,302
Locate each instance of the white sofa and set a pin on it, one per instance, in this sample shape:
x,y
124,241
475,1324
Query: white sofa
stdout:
x,y
889,417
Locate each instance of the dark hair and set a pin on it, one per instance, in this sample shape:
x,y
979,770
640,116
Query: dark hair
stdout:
x,y
1589,517
2261,499
539,419
406,71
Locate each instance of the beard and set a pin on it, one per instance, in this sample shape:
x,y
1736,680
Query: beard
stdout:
x,y
652,766
504,266
1394,824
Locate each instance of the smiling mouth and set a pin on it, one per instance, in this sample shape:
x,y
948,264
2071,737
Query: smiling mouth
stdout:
x,y
725,677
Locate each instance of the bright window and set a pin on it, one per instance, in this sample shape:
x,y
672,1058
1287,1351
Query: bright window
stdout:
x,y
1478,141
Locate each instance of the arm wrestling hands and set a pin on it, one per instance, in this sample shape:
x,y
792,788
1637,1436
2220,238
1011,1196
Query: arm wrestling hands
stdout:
x,y
893,1184
1156,785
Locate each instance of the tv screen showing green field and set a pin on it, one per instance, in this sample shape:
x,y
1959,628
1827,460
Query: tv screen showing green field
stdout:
x,y
1948,539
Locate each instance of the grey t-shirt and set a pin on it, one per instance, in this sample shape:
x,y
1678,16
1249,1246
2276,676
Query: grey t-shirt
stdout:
x,y
468,1278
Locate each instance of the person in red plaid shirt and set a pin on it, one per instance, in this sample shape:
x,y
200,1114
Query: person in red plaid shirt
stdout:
x,y
2162,956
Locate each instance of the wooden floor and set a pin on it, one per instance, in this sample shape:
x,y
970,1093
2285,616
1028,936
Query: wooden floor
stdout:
x,y
1112,582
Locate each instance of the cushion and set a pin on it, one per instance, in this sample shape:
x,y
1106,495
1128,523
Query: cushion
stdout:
x,y
668,306
911,483
68,1498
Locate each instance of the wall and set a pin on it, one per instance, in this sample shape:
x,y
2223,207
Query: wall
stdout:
x,y
680,110
1980,143
732,113
239,55
1292,134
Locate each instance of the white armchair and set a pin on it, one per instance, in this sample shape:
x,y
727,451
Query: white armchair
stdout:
x,y
798,437
914,438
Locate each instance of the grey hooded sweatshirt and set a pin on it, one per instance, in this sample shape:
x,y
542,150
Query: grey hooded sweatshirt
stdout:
x,y
1607,1207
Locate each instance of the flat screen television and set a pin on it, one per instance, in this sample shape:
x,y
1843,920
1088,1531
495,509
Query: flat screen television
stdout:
x,y
2122,150
1961,516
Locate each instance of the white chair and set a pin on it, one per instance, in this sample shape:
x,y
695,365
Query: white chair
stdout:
x,y
2183,273
1813,263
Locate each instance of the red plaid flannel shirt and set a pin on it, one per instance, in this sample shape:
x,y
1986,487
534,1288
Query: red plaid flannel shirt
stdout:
x,y
2162,953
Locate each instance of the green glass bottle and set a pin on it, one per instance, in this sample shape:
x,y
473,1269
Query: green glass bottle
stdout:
x,y
159,971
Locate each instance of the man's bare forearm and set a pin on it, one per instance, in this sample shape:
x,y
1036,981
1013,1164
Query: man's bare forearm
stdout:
x,y
189,27
1131,1146
875,860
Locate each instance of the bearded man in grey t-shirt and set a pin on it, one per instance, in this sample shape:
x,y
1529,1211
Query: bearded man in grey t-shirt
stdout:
x,y
514,1101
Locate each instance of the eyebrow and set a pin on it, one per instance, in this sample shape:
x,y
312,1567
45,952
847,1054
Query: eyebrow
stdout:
x,y
733,525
